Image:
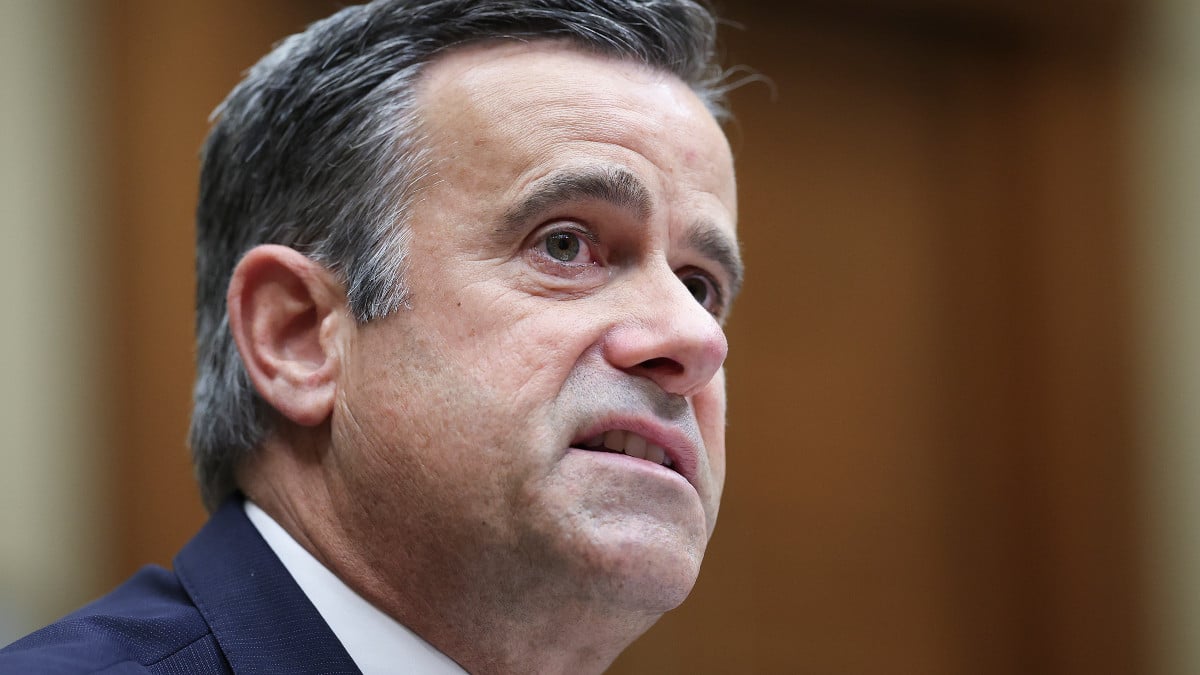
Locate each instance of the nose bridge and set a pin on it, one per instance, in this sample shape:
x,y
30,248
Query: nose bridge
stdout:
x,y
666,335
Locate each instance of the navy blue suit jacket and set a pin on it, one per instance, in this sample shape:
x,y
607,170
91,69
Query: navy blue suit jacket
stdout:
x,y
228,607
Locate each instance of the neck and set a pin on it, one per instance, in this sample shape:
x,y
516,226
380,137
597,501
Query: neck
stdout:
x,y
487,622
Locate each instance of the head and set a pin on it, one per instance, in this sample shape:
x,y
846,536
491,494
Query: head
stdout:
x,y
469,263
319,149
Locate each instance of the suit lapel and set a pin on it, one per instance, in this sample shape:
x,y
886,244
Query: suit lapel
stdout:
x,y
261,619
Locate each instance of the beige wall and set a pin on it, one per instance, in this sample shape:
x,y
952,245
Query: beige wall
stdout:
x,y
1167,80
51,328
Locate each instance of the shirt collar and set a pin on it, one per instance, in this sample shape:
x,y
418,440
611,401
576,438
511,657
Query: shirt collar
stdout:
x,y
376,641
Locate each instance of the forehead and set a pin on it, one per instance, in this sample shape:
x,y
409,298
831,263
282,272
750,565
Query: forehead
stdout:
x,y
540,104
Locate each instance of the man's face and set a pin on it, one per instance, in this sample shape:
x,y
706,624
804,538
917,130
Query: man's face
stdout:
x,y
570,265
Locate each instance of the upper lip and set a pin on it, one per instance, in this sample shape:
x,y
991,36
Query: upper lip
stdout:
x,y
676,444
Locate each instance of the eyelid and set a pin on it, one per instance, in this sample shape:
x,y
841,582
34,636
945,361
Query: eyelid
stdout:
x,y
579,228
573,225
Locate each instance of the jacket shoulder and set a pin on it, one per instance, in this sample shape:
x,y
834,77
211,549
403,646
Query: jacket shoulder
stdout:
x,y
147,625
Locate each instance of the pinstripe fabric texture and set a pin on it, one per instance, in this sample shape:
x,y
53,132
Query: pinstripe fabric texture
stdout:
x,y
228,607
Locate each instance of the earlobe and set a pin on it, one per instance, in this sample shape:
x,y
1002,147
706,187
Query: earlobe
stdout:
x,y
284,311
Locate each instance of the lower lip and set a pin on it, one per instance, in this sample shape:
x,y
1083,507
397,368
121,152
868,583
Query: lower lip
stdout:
x,y
633,463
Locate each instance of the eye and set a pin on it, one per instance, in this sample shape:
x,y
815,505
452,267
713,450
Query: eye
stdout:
x,y
568,247
563,246
704,290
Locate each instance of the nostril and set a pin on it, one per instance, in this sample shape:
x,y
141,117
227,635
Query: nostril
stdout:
x,y
662,365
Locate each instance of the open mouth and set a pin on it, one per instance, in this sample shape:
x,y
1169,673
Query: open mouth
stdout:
x,y
627,443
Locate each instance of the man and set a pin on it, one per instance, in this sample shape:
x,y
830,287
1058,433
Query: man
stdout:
x,y
463,269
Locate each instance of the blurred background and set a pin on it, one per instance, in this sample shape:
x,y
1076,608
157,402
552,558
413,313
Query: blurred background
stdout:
x,y
965,373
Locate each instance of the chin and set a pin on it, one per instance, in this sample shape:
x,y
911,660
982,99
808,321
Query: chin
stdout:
x,y
648,571
633,544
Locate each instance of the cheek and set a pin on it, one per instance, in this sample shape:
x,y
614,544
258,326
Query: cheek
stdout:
x,y
709,405
710,414
526,347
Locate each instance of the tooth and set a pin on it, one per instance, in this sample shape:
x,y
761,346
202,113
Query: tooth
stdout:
x,y
594,442
655,454
635,446
614,440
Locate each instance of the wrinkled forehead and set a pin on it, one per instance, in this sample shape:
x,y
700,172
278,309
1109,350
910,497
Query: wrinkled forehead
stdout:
x,y
522,94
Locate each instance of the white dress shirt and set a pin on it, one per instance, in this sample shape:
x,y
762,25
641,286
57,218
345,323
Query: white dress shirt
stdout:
x,y
375,641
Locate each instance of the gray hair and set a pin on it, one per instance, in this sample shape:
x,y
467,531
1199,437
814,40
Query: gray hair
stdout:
x,y
318,149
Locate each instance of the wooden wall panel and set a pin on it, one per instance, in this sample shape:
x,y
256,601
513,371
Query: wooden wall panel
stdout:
x,y
1087,479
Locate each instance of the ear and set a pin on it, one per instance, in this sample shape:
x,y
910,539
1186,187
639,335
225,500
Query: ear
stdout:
x,y
285,312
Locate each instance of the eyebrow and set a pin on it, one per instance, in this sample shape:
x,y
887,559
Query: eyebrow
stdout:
x,y
614,185
620,187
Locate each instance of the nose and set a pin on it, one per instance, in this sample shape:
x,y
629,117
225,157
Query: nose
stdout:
x,y
667,337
